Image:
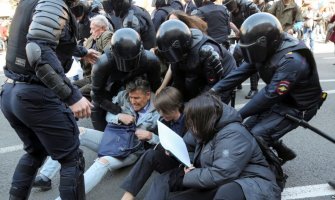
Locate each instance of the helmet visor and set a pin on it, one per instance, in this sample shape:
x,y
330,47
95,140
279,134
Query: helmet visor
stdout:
x,y
172,55
127,64
255,52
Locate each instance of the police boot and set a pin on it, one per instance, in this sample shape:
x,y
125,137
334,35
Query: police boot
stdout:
x,y
12,197
253,86
332,183
251,94
283,151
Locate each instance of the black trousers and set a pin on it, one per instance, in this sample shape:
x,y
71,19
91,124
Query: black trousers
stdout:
x,y
272,124
45,125
159,190
150,161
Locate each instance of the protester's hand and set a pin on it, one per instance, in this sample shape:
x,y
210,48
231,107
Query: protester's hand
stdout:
x,y
126,119
92,56
143,134
188,169
290,31
82,108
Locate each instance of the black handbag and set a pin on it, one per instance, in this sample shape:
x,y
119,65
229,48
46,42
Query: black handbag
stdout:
x,y
119,141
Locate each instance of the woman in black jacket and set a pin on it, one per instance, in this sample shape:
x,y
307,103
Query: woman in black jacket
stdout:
x,y
228,163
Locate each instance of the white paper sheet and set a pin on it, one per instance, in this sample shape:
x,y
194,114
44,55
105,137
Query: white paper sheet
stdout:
x,y
173,143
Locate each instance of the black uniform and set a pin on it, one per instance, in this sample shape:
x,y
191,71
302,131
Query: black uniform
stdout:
x,y
246,9
107,80
36,96
139,19
292,86
190,74
217,18
160,15
189,7
176,4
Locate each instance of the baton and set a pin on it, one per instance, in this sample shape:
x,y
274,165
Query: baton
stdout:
x,y
233,97
305,124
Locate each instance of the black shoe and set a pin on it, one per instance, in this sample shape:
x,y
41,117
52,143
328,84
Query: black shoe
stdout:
x,y
332,183
239,87
284,152
42,184
251,94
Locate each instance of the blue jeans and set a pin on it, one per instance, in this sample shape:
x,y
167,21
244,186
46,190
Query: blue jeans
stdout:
x,y
91,139
309,35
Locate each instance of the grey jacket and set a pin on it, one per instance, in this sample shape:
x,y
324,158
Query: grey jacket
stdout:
x,y
233,155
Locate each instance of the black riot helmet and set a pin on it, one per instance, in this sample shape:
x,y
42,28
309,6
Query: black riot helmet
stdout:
x,y
173,40
160,3
261,35
127,49
71,3
200,3
231,5
121,7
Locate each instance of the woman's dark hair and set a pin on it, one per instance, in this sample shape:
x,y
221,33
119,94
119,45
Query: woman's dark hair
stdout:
x,y
168,99
191,21
201,115
138,84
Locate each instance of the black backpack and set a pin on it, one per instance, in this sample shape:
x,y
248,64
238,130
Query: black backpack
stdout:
x,y
274,162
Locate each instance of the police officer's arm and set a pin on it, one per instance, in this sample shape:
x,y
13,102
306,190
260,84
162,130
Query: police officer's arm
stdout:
x,y
43,37
283,80
151,61
217,63
234,78
101,70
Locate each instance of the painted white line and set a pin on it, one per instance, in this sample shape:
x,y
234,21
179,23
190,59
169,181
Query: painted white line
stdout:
x,y
328,58
11,148
321,81
308,191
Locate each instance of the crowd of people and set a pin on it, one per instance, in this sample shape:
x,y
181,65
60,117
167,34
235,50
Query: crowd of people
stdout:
x,y
181,66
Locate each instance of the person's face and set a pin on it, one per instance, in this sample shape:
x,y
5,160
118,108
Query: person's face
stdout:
x,y
173,115
139,99
96,31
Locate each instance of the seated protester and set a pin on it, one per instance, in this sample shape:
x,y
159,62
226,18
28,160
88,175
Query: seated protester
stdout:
x,y
169,104
138,108
123,62
227,164
197,61
99,40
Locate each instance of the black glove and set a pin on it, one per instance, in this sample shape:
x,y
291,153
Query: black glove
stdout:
x,y
110,107
213,67
176,179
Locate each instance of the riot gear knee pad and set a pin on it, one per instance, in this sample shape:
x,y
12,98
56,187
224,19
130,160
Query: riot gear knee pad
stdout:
x,y
24,175
72,177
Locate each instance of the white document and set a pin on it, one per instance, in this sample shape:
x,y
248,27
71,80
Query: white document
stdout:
x,y
173,143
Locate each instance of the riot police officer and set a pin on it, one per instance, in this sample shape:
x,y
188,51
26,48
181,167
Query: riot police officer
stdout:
x,y
137,18
240,10
126,60
38,100
176,4
163,9
197,61
292,84
217,18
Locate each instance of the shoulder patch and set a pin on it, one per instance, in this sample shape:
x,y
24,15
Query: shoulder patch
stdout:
x,y
283,87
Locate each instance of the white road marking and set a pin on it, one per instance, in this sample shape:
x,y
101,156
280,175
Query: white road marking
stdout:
x,y
308,191
11,148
